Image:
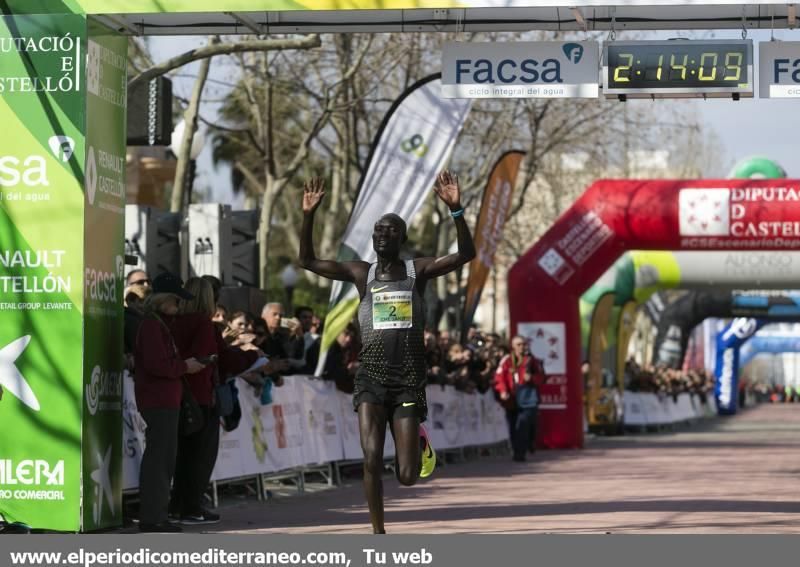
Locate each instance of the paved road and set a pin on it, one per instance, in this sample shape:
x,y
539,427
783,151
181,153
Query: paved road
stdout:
x,y
738,475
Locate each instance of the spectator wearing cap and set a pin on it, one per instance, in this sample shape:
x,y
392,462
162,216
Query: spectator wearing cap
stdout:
x,y
158,387
196,336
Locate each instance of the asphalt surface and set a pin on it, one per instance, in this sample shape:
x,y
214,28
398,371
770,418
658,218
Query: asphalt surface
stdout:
x,y
732,475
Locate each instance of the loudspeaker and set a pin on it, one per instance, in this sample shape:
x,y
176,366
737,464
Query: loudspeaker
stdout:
x,y
150,113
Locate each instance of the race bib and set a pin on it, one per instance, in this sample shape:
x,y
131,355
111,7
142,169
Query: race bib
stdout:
x,y
391,310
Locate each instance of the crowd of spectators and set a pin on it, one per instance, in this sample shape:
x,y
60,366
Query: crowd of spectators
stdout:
x,y
469,367
667,381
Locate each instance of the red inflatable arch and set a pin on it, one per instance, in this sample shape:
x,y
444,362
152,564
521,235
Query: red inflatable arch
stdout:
x,y
613,216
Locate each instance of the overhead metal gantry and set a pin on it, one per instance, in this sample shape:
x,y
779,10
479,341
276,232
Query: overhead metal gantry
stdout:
x,y
450,16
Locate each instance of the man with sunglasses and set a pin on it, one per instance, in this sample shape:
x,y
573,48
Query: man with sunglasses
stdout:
x,y
137,288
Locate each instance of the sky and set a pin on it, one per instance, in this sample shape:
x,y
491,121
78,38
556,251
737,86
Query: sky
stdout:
x,y
748,127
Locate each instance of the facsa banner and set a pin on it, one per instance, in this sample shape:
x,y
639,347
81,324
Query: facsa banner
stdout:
x,y
779,69
539,69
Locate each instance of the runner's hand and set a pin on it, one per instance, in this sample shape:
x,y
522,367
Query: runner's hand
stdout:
x,y
313,192
448,189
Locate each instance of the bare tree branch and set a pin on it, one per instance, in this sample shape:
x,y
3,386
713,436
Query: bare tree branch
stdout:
x,y
307,42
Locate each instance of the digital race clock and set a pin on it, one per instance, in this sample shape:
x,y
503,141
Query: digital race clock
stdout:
x,y
678,68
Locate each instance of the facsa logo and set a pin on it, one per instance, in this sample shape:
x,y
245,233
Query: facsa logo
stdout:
x,y
573,52
31,171
62,147
10,377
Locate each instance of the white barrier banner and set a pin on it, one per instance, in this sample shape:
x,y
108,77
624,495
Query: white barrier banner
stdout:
x,y
470,430
322,442
133,427
351,442
310,422
634,409
443,417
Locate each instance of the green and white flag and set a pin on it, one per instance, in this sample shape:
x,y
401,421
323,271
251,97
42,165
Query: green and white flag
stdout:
x,y
413,144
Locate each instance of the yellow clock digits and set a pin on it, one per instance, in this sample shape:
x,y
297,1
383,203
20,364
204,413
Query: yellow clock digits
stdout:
x,y
703,63
623,68
681,67
735,68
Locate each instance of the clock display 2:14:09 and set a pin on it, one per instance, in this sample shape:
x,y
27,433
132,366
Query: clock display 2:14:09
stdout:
x,y
678,66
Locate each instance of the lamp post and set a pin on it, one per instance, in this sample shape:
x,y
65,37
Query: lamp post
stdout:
x,y
289,279
198,143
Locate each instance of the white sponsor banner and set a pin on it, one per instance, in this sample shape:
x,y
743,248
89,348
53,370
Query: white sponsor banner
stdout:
x,y
133,427
412,147
704,212
634,409
779,69
351,441
323,416
540,69
310,422
547,342
443,421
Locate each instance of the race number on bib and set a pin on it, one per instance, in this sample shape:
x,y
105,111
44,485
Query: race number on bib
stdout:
x,y
391,310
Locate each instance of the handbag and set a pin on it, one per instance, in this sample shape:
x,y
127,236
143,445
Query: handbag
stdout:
x,y
191,418
527,396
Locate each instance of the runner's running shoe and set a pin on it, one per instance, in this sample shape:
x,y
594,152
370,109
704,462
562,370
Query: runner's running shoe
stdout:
x,y
428,454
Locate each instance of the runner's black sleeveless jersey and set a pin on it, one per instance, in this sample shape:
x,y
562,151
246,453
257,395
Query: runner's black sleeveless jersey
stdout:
x,y
392,320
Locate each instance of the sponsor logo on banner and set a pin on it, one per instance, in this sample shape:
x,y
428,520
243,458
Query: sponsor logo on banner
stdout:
x,y
779,69
63,77
103,492
554,265
545,69
62,147
104,392
11,379
741,328
31,172
585,234
704,212
547,342
104,174
32,472
726,379
751,217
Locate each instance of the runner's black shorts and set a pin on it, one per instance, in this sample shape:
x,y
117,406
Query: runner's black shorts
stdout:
x,y
400,400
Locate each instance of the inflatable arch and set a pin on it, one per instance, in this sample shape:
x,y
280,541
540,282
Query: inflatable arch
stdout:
x,y
639,274
775,344
610,218
681,316
729,344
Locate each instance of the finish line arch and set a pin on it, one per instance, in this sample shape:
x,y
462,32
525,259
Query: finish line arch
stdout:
x,y
610,218
768,344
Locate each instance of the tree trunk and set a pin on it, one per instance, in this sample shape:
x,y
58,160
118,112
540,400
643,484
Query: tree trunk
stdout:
x,y
190,120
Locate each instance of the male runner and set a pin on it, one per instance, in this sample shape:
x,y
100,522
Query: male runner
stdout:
x,y
390,383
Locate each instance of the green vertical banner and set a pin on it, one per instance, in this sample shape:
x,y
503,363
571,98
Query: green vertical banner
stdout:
x,y
104,266
62,94
42,151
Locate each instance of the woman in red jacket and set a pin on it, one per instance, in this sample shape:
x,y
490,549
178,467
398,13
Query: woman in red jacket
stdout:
x,y
158,385
196,336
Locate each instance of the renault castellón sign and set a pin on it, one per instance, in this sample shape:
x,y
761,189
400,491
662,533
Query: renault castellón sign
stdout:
x,y
546,69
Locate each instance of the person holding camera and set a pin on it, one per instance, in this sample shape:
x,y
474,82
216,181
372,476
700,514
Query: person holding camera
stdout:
x,y
158,381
